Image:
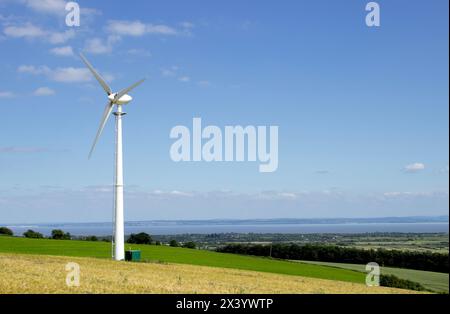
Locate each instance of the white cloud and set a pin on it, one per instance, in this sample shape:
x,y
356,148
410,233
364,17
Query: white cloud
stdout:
x,y
27,30
395,194
42,69
180,193
99,45
414,194
173,203
67,75
173,72
246,25
98,188
187,24
415,167
108,77
169,194
16,149
30,31
6,94
273,195
139,52
62,37
56,7
184,79
65,51
286,195
169,72
70,74
204,83
44,91
137,28
89,12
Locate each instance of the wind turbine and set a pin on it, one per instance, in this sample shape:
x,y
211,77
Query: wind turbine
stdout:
x,y
117,99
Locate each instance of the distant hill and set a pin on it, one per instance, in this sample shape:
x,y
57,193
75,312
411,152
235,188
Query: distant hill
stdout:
x,y
409,219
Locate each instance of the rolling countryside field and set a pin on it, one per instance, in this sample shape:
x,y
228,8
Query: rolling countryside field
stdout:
x,y
165,270
168,254
25,273
438,282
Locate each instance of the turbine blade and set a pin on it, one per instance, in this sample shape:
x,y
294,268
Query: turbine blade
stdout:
x,y
97,76
128,89
106,114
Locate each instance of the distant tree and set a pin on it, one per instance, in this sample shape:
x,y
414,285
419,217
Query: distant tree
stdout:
x,y
6,231
158,243
190,245
32,234
429,261
173,243
140,238
91,238
395,282
58,234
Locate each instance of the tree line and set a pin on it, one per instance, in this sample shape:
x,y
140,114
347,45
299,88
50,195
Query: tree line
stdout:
x,y
134,238
145,238
329,253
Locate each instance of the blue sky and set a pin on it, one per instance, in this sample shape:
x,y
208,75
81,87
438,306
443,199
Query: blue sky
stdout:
x,y
362,112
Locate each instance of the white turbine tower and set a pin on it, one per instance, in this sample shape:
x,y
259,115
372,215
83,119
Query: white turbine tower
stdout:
x,y
118,99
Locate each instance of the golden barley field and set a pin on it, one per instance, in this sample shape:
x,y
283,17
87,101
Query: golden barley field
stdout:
x,y
47,274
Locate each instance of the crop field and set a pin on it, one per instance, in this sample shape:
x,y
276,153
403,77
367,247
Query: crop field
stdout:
x,y
438,282
437,243
167,254
25,273
418,242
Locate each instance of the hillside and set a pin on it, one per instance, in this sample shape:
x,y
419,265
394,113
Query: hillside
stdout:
x,y
434,281
21,273
177,255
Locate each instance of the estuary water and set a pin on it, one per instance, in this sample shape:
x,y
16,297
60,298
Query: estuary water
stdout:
x,y
174,227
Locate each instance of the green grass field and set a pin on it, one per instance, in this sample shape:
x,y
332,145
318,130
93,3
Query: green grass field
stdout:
x,y
438,282
178,255
31,274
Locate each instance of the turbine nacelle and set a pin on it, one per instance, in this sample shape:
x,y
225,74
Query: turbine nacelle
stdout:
x,y
124,99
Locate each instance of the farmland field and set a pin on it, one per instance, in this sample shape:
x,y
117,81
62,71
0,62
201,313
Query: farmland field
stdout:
x,y
25,273
178,255
431,280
